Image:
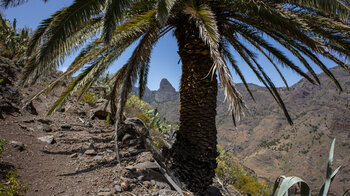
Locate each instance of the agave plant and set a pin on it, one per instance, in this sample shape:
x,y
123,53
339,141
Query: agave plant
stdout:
x,y
205,31
283,183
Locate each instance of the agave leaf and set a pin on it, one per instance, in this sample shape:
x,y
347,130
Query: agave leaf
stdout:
x,y
329,170
276,184
331,180
289,182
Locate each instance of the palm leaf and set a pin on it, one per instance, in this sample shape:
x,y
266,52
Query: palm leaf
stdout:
x,y
69,21
228,55
163,10
339,8
113,16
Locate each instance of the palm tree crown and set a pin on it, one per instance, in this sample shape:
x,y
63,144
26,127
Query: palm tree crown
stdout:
x,y
305,28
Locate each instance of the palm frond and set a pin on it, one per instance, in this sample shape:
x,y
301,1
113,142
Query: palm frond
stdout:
x,y
143,75
140,56
65,25
338,8
232,61
13,3
248,57
35,67
208,31
38,34
113,16
163,10
71,88
254,37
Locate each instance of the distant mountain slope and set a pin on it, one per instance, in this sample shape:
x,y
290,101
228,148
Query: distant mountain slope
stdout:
x,y
265,141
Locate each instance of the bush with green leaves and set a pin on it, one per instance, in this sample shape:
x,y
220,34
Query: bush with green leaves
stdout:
x,y
283,183
89,98
232,172
15,42
13,186
135,107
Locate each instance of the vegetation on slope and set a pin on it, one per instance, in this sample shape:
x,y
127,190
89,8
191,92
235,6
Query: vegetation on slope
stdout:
x,y
13,186
13,42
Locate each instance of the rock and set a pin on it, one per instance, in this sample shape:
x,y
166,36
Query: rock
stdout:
x,y
61,135
31,109
44,121
109,151
126,137
101,112
139,126
213,191
29,121
144,157
166,192
140,178
105,192
17,145
44,127
22,126
75,155
90,152
125,186
65,126
143,166
118,188
134,142
91,146
48,139
147,184
98,158
161,185
155,194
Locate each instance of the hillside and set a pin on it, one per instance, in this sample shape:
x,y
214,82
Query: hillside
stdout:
x,y
266,143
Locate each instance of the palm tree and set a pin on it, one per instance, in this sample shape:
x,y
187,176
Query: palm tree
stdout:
x,y
205,30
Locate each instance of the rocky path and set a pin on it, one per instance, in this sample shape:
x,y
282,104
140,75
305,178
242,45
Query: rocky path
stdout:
x,y
66,155
69,154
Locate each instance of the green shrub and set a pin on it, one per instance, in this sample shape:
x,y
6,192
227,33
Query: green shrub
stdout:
x,y
230,171
89,98
13,187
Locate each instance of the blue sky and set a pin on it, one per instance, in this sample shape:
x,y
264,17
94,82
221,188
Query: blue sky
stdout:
x,y
164,61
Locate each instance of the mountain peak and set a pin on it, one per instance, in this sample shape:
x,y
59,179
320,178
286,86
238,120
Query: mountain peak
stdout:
x,y
165,84
166,92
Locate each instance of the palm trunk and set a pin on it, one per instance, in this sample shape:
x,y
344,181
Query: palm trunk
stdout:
x,y
194,152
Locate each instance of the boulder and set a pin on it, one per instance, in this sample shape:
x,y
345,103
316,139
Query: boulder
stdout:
x,y
44,127
31,109
91,152
17,145
48,139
